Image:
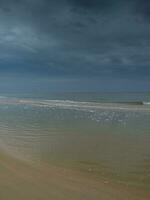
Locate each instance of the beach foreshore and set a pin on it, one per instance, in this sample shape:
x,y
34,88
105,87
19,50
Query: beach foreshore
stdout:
x,y
24,180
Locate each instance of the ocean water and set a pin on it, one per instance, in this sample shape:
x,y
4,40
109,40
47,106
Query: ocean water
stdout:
x,y
106,134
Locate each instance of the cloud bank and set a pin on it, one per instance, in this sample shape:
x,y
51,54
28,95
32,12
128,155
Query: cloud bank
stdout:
x,y
83,38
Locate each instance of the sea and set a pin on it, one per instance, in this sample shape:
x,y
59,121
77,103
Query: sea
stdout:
x,y
103,133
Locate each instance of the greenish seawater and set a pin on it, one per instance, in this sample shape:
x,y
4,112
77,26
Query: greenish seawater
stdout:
x,y
111,143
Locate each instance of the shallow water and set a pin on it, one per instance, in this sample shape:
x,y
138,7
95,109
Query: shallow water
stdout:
x,y
93,138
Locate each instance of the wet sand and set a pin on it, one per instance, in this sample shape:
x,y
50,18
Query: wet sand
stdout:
x,y
41,181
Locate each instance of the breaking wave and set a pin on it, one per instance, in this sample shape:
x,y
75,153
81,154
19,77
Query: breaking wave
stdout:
x,y
68,104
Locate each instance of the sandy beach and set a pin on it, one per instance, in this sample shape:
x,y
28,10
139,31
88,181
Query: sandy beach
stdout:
x,y
22,180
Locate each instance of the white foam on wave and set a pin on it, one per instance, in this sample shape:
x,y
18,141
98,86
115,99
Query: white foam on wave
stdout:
x,y
76,105
89,106
146,103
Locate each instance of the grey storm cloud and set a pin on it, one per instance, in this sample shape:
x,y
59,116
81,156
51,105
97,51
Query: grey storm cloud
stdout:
x,y
75,37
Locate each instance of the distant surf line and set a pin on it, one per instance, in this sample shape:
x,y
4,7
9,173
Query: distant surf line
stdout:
x,y
79,105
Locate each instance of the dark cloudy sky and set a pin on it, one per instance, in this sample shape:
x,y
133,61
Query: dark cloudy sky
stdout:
x,y
79,41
